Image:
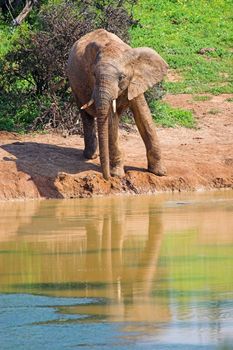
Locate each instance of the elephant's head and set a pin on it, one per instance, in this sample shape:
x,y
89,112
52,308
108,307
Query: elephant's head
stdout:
x,y
116,72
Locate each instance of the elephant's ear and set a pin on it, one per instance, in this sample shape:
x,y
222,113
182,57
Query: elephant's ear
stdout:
x,y
149,68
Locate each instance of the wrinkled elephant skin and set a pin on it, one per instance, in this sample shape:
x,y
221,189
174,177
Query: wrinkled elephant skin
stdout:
x,y
107,76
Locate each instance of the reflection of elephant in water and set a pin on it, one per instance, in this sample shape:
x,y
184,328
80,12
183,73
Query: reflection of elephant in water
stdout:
x,y
102,249
107,76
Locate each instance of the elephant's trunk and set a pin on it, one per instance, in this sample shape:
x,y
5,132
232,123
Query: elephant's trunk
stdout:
x,y
102,122
103,102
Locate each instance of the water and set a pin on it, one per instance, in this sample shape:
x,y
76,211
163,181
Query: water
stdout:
x,y
147,272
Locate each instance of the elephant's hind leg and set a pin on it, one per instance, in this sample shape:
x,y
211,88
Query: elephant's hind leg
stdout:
x,y
90,139
146,127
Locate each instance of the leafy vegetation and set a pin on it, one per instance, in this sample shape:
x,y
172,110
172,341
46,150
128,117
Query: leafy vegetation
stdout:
x,y
33,85
194,36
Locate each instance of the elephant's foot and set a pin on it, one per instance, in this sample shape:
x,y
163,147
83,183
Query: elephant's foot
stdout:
x,y
90,154
158,169
117,170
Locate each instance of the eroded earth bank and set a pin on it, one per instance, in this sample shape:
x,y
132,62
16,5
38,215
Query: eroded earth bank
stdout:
x,y
51,166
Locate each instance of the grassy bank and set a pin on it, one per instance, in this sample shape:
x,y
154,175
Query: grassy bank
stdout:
x,y
195,37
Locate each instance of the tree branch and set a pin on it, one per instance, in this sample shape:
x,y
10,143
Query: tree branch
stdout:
x,y
25,11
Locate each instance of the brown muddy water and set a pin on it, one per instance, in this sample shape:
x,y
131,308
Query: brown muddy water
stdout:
x,y
146,272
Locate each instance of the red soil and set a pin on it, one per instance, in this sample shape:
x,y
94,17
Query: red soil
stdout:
x,y
51,166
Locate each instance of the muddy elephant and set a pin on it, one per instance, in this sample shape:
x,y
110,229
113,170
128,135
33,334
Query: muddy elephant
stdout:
x,y
107,76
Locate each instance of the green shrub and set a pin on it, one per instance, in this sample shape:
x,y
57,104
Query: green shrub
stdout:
x,y
32,68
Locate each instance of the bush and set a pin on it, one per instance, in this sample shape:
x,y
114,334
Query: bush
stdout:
x,y
32,73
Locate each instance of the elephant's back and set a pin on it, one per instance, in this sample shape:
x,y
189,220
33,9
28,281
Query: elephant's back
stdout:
x,y
101,37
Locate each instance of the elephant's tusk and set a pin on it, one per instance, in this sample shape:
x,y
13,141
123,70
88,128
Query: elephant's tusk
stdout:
x,y
88,104
114,106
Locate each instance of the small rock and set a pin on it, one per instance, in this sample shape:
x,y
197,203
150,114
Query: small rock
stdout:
x,y
206,50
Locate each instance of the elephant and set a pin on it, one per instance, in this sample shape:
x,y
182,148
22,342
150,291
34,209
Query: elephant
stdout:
x,y
107,76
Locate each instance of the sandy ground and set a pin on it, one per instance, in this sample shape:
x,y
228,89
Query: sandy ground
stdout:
x,y
51,166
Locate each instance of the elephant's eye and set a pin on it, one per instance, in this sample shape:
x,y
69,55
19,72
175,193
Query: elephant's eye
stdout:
x,y
121,77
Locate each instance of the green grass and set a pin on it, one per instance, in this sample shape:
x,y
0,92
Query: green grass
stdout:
x,y
178,29
167,116
201,98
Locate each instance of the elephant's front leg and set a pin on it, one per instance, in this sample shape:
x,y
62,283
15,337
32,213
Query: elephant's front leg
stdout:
x,y
90,139
146,127
115,155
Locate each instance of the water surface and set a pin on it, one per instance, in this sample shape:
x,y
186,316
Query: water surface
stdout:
x,y
146,272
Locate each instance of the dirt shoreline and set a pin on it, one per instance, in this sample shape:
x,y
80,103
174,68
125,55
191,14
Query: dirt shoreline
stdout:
x,y
51,166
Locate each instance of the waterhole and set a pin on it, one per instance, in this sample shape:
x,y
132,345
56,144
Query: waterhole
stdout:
x,y
143,272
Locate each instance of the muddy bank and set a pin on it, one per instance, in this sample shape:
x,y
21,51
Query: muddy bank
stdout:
x,y
51,166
